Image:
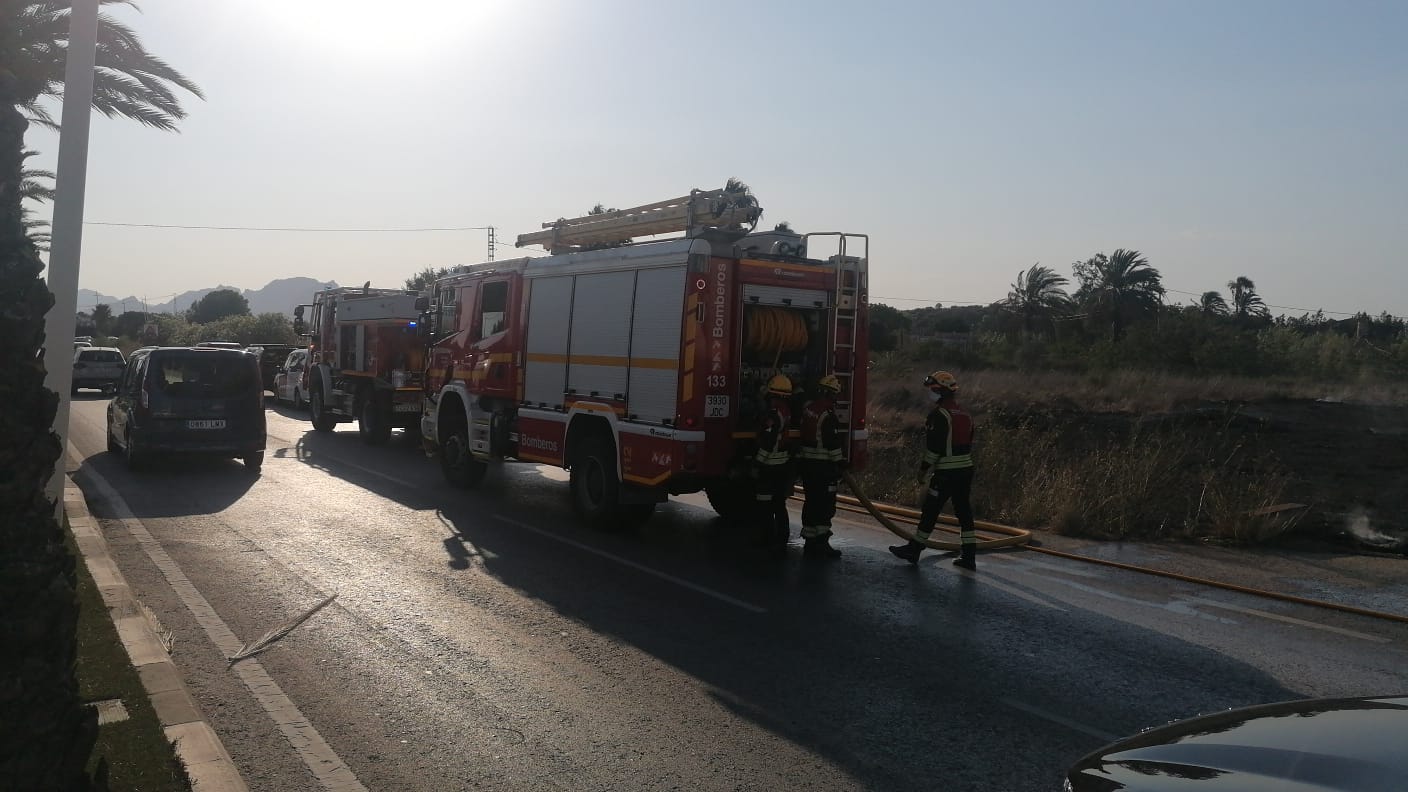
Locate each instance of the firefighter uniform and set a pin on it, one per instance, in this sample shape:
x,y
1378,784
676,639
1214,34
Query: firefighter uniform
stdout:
x,y
820,461
947,467
773,467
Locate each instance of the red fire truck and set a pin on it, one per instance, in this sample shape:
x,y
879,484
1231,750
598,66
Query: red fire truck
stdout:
x,y
639,367
365,361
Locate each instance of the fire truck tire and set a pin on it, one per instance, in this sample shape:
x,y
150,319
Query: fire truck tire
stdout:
x,y
596,491
253,461
317,411
460,468
732,499
374,423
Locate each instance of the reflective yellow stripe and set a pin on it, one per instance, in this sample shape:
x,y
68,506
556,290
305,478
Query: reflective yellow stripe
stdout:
x,y
956,462
931,458
772,457
822,454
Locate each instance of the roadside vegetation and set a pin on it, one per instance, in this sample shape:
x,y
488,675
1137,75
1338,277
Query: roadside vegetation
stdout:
x,y
46,733
222,315
131,754
1106,412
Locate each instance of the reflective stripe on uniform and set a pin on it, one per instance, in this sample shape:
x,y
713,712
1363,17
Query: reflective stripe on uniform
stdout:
x,y
765,457
821,454
949,460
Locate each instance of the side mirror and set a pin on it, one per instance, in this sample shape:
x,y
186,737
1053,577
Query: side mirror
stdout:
x,y
298,311
422,304
298,326
315,337
423,327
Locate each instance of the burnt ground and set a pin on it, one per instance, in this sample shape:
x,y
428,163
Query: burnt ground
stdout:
x,y
1348,462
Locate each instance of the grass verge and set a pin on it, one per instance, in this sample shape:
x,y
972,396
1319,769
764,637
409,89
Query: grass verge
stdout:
x,y
1044,462
133,754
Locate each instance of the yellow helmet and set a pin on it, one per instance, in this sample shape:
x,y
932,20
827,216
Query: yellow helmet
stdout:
x,y
941,380
780,385
829,383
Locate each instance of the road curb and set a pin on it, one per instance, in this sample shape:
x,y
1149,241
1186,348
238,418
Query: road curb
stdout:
x,y
197,746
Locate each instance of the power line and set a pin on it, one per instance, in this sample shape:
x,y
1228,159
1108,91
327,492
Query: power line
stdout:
x,y
287,228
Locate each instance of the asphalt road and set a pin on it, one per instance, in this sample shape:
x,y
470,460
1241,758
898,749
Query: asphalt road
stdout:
x,y
484,640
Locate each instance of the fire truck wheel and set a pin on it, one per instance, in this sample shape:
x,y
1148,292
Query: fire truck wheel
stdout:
x,y
322,422
460,468
595,489
732,499
374,425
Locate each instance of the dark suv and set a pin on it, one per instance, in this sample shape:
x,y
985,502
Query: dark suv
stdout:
x,y
180,400
271,358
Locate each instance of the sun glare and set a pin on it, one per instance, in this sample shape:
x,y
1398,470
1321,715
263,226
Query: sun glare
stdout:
x,y
378,27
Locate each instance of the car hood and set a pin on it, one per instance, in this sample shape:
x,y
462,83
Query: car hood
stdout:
x,y
1301,746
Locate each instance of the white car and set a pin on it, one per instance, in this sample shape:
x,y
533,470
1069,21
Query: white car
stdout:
x,y
97,367
290,384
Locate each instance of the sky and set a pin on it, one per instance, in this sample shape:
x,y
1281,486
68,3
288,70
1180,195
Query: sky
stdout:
x,y
969,140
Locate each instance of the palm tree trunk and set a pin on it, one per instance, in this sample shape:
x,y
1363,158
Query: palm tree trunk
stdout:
x,y
46,734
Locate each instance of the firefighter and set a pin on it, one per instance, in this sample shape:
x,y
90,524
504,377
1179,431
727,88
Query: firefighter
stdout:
x,y
820,462
773,472
947,468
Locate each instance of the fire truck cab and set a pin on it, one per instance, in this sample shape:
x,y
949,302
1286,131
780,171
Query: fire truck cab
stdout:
x,y
640,367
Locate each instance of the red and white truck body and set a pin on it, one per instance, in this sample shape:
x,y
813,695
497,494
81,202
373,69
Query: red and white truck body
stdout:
x,y
365,360
636,366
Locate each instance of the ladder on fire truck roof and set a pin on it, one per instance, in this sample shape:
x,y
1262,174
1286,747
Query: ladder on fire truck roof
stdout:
x,y
692,214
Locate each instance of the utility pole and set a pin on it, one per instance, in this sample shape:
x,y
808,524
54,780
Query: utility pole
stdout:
x,y
68,224
490,229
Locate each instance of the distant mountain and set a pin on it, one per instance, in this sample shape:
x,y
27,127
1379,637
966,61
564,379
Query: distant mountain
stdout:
x,y
277,296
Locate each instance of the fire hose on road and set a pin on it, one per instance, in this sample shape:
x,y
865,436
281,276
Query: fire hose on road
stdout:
x,y
991,536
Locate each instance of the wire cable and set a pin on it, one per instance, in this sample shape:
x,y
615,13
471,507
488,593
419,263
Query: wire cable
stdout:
x,y
300,229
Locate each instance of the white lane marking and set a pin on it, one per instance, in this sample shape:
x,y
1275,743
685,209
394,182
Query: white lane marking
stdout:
x,y
708,592
1103,736
1290,620
1180,607
988,580
320,759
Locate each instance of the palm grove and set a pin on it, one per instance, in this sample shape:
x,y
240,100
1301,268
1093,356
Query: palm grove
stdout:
x,y
46,735
1119,316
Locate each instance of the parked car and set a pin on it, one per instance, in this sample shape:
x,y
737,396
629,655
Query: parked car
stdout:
x,y
291,381
271,357
1330,745
188,400
96,367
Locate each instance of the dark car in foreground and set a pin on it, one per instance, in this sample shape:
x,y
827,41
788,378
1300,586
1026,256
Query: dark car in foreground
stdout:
x,y
1315,745
176,400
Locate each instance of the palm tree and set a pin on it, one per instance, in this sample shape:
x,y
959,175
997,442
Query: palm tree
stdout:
x,y
1212,304
36,185
1246,303
38,612
1037,293
1119,288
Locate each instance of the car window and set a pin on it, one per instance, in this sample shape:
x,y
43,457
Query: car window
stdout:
x,y
202,376
292,360
100,356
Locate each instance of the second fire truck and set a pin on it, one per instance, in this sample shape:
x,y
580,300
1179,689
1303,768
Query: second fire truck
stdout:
x,y
639,367
365,361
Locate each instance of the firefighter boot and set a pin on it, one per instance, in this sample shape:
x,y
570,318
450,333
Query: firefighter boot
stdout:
x,y
820,547
967,558
909,552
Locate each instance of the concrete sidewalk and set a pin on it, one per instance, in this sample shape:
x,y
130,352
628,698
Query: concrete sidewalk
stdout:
x,y
206,761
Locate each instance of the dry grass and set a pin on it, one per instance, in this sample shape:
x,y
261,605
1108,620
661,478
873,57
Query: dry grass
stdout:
x,y
1090,458
1126,391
